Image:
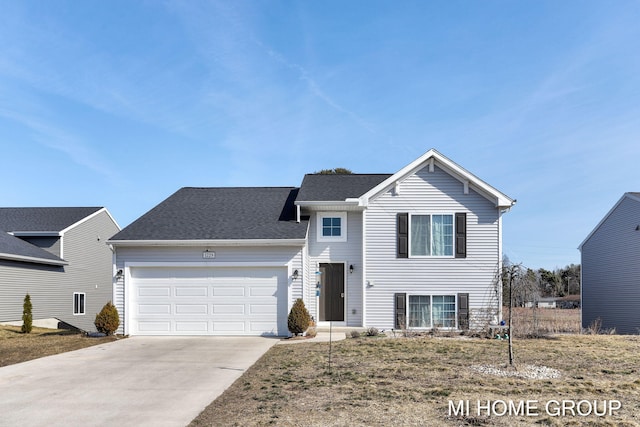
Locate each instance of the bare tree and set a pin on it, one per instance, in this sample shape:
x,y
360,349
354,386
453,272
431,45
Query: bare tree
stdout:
x,y
512,275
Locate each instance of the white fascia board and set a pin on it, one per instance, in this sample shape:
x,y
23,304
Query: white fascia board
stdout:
x,y
464,176
235,242
88,217
35,260
624,196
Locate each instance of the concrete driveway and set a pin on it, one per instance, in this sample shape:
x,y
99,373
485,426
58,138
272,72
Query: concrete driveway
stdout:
x,y
138,381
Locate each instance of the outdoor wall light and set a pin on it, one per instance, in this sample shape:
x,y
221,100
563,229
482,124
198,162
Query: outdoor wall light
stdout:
x,y
351,268
295,274
119,273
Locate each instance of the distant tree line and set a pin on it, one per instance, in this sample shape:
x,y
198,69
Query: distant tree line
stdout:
x,y
530,285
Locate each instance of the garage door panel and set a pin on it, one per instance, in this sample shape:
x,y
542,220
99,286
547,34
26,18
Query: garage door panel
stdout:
x,y
228,327
154,309
209,301
263,309
262,291
188,291
146,291
191,309
227,291
191,327
150,327
228,309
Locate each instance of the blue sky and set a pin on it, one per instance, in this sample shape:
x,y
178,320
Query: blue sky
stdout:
x,y
121,103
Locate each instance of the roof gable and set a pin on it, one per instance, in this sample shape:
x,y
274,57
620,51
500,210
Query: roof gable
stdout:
x,y
234,213
630,195
430,159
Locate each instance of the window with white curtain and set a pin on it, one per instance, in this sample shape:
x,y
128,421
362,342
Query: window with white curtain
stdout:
x,y
431,235
427,311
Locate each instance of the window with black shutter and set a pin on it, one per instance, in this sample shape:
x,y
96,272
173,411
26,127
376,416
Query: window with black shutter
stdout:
x,y
403,235
461,235
463,311
400,311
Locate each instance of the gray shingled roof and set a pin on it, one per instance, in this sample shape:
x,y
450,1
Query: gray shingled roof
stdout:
x,y
13,246
220,214
331,188
42,219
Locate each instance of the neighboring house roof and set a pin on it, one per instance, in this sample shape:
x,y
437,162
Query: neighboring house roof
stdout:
x,y
201,214
323,188
629,195
40,221
43,219
15,249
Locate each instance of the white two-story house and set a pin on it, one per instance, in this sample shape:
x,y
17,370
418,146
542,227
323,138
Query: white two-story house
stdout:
x,y
418,249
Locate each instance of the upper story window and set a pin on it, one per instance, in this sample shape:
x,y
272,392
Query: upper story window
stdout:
x,y
431,235
332,227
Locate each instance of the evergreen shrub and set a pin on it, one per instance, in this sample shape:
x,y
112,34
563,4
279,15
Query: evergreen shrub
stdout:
x,y
299,318
27,316
108,320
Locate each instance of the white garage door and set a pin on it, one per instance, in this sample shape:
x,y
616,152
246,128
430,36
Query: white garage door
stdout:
x,y
208,301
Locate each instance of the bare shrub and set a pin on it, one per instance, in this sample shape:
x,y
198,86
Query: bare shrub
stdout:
x,y
372,332
595,328
355,334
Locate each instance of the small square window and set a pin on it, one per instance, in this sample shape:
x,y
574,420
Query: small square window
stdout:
x,y
332,226
78,303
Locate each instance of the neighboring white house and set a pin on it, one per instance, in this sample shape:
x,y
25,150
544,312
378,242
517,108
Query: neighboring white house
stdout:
x,y
60,257
611,269
421,248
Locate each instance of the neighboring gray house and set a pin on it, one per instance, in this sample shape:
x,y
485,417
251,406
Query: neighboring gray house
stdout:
x,y
418,249
60,257
611,269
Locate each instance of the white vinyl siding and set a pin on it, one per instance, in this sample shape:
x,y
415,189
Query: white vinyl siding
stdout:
x,y
433,193
348,252
611,270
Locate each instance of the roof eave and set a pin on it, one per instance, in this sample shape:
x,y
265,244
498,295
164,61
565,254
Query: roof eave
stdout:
x,y
351,204
211,242
35,260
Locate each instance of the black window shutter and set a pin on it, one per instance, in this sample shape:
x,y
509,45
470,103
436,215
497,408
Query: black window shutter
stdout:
x,y
403,235
461,235
463,311
400,311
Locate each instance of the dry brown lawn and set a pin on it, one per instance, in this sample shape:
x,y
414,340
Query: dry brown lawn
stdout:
x,y
16,347
410,382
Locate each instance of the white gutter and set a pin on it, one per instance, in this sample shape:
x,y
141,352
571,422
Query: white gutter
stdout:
x,y
229,242
36,260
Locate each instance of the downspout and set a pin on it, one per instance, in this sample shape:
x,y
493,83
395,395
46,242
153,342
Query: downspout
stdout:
x,y
364,267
